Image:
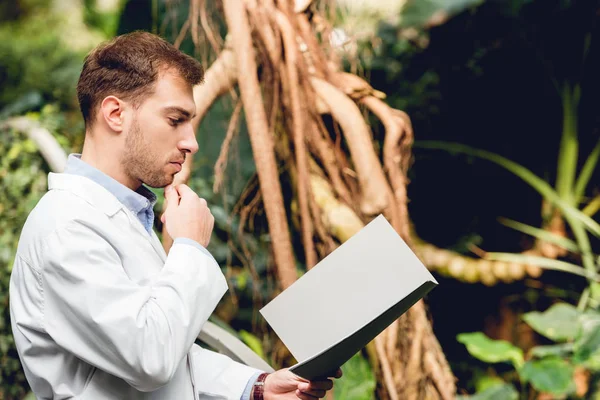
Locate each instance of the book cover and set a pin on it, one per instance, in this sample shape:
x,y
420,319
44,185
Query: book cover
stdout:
x,y
347,299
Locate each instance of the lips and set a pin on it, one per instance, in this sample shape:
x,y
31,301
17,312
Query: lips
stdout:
x,y
177,165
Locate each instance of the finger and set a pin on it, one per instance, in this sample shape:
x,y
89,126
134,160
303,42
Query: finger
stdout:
x,y
338,373
172,196
184,190
304,396
315,393
321,384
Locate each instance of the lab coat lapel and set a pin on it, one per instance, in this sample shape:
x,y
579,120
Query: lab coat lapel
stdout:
x,y
101,198
150,236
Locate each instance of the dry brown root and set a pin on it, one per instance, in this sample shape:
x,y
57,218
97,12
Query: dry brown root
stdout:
x,y
261,141
299,128
221,163
370,174
336,193
218,79
395,130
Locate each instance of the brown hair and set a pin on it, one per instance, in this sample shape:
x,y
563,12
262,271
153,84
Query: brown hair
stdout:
x,y
128,67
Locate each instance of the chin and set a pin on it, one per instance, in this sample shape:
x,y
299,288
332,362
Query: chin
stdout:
x,y
160,183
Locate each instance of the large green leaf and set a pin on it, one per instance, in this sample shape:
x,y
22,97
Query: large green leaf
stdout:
x,y
525,174
489,350
559,322
556,350
357,382
553,375
499,391
587,345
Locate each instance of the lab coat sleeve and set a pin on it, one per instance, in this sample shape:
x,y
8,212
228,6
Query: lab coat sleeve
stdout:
x,y
138,333
218,376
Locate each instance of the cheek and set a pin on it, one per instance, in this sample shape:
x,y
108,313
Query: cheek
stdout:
x,y
155,137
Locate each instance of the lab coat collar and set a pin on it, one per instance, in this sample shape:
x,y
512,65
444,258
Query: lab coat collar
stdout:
x,y
87,189
98,196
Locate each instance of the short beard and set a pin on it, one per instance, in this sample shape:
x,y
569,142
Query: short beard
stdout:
x,y
139,161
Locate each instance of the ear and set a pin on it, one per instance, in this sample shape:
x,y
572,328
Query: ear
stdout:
x,y
112,111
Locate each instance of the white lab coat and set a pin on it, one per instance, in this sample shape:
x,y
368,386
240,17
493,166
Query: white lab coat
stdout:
x,y
99,311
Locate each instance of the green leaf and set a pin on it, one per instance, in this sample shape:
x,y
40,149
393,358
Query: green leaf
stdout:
x,y
418,13
569,147
559,322
484,382
489,350
557,350
541,234
525,174
357,382
544,262
499,391
553,375
253,342
586,172
587,344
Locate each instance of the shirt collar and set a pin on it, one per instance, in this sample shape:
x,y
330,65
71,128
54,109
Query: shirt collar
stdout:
x,y
135,201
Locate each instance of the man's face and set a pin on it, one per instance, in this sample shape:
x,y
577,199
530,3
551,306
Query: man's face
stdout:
x,y
161,134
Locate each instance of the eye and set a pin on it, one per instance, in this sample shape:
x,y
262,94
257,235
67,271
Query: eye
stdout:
x,y
175,121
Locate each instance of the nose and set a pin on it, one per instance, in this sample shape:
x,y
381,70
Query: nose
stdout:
x,y
189,143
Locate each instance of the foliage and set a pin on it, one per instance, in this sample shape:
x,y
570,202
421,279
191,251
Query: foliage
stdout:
x,y
35,67
491,351
498,391
37,73
551,368
421,13
22,183
564,200
358,381
106,21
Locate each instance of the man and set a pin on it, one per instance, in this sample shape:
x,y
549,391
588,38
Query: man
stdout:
x,y
98,310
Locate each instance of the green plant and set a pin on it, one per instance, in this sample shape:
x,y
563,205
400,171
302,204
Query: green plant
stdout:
x,y
548,368
566,201
358,381
567,197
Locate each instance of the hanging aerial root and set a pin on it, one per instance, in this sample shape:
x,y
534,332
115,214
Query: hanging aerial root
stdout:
x,y
299,127
339,219
261,141
394,131
374,187
218,79
265,29
323,150
221,163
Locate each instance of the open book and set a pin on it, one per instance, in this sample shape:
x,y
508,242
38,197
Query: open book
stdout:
x,y
347,299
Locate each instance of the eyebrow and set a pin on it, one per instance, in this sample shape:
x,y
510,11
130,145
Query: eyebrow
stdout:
x,y
180,110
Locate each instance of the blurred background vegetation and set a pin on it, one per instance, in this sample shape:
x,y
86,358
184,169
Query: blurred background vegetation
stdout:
x,y
514,78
